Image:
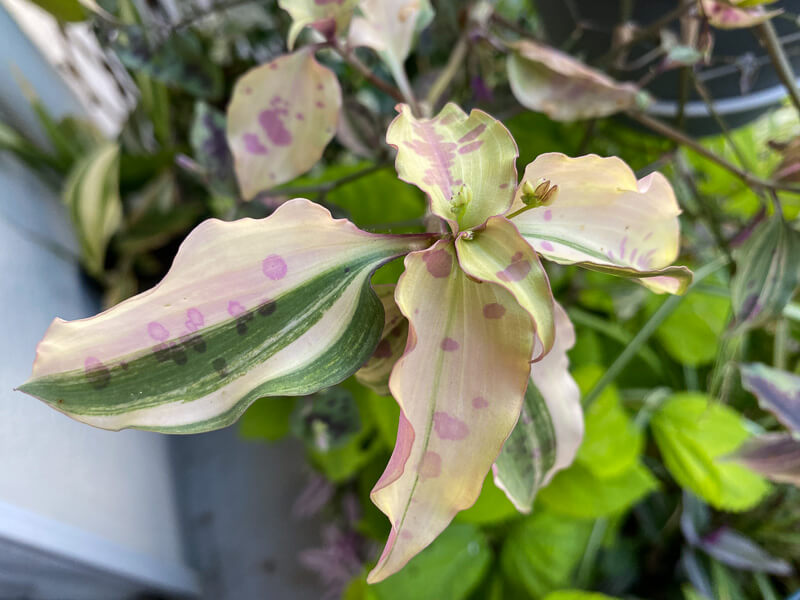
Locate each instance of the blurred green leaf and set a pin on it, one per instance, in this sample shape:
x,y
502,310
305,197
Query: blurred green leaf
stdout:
x,y
577,595
492,506
326,420
267,418
63,10
540,555
449,569
693,433
210,146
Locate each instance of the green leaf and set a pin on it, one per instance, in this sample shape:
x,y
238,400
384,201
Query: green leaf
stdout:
x,y
252,308
693,433
210,147
540,554
691,333
767,273
449,569
579,493
267,418
327,419
492,506
612,443
91,194
576,595
63,10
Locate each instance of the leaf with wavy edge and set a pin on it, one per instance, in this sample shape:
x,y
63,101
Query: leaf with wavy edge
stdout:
x,y
454,156
375,373
725,15
497,253
460,386
326,16
547,80
281,116
604,219
251,308
550,427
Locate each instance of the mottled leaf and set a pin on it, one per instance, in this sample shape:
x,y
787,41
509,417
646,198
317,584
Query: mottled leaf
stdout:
x,y
91,194
602,218
281,116
460,386
272,307
726,15
375,373
209,146
178,61
547,80
388,27
693,434
767,273
550,427
776,456
329,17
777,391
465,164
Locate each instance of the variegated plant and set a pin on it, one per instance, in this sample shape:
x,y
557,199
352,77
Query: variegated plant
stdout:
x,y
284,306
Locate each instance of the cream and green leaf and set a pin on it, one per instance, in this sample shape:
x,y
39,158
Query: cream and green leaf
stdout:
x,y
460,387
465,164
330,17
603,219
272,307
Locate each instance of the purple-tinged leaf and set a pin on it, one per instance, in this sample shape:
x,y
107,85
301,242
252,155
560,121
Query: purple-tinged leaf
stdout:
x,y
727,15
777,391
775,455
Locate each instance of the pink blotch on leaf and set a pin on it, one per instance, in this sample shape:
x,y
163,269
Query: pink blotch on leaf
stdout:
x,y
299,116
431,466
92,363
448,427
450,345
479,402
548,214
547,246
493,310
439,262
517,270
235,308
194,319
470,147
319,104
271,121
406,535
274,267
503,186
473,134
253,145
157,331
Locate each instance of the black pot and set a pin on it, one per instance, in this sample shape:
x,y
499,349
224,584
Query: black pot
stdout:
x,y
740,79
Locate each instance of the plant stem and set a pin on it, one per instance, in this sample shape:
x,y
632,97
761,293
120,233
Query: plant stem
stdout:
x,y
450,70
782,65
350,58
648,330
779,356
321,188
681,138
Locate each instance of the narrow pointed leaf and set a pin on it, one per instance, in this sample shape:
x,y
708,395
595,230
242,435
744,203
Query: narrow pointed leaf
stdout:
x,y
327,16
91,194
547,80
251,308
767,274
776,456
375,373
777,391
460,386
465,164
280,118
550,427
602,218
499,254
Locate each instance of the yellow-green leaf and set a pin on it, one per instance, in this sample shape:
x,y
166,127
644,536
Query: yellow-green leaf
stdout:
x,y
329,17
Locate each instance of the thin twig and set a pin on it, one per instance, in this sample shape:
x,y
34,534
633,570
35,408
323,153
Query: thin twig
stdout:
x,y
726,132
782,65
681,138
350,58
450,70
321,188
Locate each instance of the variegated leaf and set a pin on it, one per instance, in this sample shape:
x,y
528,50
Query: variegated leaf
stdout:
x,y
776,456
251,308
281,116
497,253
388,27
465,164
91,194
547,80
602,218
375,373
727,15
550,427
327,16
767,273
460,386
777,391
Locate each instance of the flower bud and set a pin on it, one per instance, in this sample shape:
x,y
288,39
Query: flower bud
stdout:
x,y
460,199
538,195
